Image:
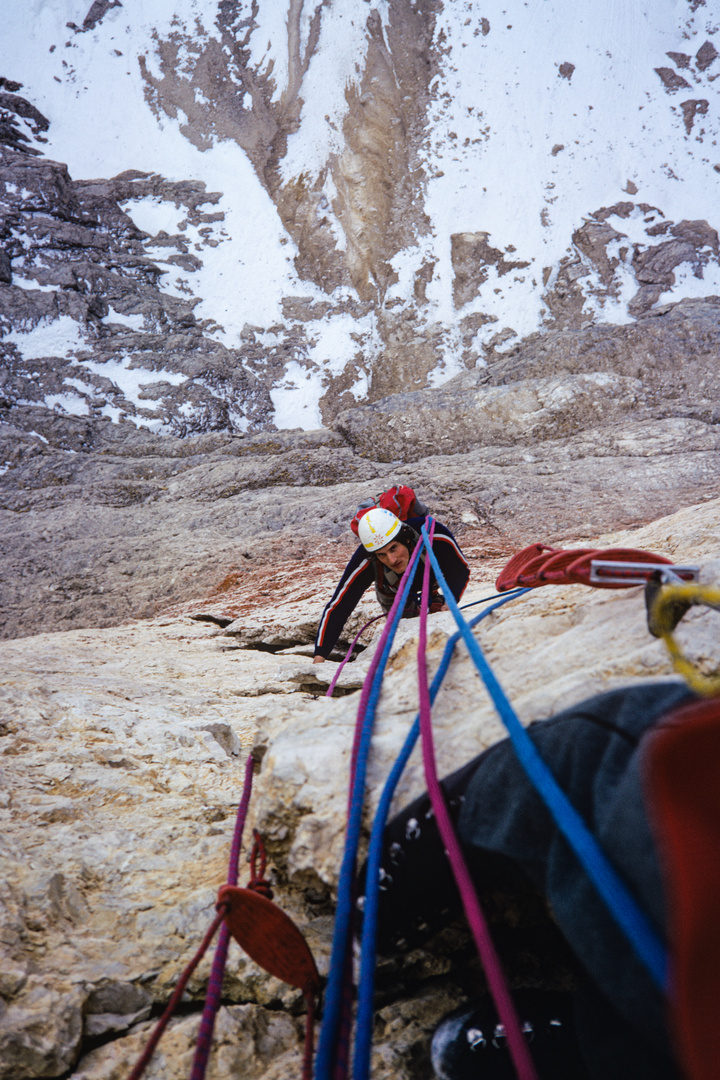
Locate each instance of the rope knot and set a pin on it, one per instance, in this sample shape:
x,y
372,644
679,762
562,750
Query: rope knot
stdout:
x,y
257,877
262,887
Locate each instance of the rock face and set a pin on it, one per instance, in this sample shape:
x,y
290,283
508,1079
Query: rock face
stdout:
x,y
138,447
123,754
95,323
554,386
101,523
82,274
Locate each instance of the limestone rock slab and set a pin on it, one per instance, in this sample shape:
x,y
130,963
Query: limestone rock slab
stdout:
x,y
459,417
121,764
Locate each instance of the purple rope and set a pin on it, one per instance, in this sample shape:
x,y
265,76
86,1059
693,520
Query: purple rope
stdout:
x,y
144,1059
496,980
348,654
332,1055
369,682
234,861
217,972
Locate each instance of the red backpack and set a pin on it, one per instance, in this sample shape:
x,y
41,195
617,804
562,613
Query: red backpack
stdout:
x,y
399,500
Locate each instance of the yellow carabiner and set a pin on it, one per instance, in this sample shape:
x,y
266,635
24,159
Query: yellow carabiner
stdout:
x,y
662,616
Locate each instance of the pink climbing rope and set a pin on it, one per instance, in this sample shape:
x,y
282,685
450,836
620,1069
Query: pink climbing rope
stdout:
x,y
348,654
217,972
496,980
214,994
374,665
144,1059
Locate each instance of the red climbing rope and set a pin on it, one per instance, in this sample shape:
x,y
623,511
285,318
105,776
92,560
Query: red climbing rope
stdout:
x,y
214,994
474,913
539,564
257,877
517,564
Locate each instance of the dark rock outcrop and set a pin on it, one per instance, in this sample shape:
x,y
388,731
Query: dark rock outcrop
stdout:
x,y
554,385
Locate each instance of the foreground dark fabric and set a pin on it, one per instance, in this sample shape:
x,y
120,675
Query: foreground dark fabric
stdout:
x,y
596,750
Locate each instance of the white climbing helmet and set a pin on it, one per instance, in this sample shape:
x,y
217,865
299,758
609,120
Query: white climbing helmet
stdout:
x,y
377,528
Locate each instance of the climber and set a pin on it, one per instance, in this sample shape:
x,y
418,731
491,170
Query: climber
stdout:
x,y
386,546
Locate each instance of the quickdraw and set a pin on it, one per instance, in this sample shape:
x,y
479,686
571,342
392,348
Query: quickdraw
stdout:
x,y
670,602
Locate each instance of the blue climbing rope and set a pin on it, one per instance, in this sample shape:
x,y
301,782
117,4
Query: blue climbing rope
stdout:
x,y
366,985
334,994
508,592
620,902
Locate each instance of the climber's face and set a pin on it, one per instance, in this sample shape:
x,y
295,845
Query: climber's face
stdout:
x,y
395,556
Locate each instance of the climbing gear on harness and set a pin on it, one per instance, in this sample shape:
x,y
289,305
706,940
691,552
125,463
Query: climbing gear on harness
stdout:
x,y
608,568
674,610
596,568
667,608
272,940
400,500
554,568
604,571
508,576
630,918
